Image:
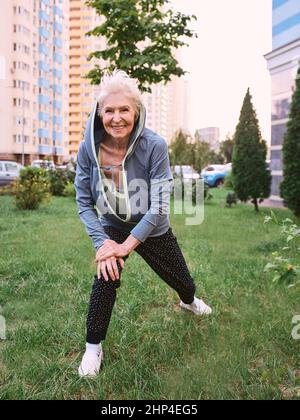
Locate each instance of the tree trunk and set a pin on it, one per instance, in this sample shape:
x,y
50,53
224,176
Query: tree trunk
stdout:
x,y
255,202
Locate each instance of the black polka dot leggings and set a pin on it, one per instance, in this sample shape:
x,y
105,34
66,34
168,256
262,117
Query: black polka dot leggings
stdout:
x,y
163,255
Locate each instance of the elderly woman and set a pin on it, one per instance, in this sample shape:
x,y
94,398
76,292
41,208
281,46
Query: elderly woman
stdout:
x,y
122,186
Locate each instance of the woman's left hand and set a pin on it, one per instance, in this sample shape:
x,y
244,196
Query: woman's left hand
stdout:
x,y
111,248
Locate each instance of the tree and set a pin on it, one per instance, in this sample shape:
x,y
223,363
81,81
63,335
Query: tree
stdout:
x,y
226,149
141,37
251,178
200,152
181,152
290,187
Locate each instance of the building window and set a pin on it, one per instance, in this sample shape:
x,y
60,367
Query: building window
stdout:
x,y
278,132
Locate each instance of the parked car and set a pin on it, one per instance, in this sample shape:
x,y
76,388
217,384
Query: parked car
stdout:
x,y
186,171
67,166
214,175
9,171
47,164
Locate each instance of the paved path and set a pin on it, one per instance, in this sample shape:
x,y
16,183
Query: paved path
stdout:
x,y
270,203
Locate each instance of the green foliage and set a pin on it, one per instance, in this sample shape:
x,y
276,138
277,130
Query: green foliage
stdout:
x,y
141,38
7,189
186,188
204,155
69,190
228,182
181,149
231,199
285,267
290,187
226,149
251,178
32,189
71,175
186,151
58,181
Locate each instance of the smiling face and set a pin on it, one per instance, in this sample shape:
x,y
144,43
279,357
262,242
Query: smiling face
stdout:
x,y
118,116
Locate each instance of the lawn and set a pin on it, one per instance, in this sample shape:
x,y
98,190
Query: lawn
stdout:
x,y
154,350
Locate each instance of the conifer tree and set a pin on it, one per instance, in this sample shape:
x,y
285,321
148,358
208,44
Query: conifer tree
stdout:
x,y
290,187
251,178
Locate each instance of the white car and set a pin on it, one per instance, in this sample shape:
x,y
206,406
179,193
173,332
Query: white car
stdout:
x,y
9,171
186,171
47,164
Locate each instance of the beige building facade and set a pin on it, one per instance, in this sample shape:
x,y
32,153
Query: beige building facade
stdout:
x,y
82,93
167,108
34,80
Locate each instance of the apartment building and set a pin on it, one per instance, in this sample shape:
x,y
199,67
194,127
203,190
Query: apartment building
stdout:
x,y
34,84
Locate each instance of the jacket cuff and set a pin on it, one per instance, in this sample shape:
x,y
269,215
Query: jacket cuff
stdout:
x,y
142,230
98,244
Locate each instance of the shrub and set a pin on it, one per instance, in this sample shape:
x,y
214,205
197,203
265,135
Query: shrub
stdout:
x,y
69,190
71,176
180,187
32,189
7,189
228,183
284,263
231,199
58,181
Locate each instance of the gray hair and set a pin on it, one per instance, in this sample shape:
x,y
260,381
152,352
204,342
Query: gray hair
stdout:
x,y
117,82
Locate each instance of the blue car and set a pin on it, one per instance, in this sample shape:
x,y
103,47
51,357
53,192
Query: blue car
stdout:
x,y
215,175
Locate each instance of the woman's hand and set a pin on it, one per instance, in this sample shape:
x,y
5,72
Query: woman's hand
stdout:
x,y
109,266
111,249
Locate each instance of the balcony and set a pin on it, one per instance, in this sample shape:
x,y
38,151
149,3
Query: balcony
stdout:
x,y
44,149
58,151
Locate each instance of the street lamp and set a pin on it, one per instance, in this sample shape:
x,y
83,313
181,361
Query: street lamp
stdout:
x,y
23,117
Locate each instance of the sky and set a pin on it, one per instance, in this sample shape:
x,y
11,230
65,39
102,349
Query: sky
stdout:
x,y
226,59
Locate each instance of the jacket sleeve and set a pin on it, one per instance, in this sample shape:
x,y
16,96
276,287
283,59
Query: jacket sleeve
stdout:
x,y
160,189
86,206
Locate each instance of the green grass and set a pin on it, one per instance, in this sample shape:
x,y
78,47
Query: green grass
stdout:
x,y
153,350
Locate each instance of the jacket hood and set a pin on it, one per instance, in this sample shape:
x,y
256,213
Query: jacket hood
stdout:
x,y
95,130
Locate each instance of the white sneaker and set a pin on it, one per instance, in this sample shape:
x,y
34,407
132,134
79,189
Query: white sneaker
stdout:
x,y
198,307
90,364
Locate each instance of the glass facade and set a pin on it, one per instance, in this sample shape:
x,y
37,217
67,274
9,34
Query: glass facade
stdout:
x,y
276,160
276,181
50,77
278,132
283,64
286,22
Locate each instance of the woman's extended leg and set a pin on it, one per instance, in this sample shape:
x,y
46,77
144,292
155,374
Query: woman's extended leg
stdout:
x,y
164,256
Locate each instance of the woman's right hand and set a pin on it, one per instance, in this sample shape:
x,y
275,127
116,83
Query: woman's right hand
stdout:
x,y
109,267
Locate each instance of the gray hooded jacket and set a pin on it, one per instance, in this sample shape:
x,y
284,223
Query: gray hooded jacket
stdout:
x,y
146,178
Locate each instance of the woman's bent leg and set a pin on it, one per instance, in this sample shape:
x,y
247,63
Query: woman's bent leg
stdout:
x,y
102,299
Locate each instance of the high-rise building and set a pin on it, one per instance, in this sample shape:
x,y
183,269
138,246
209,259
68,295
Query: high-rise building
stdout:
x,y
167,108
34,89
82,93
210,135
283,63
